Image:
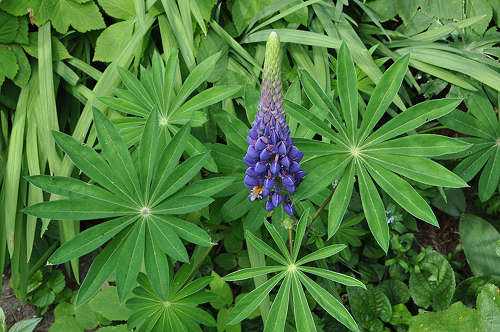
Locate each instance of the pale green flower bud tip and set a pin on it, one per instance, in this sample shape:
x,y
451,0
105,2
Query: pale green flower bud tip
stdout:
x,y
271,63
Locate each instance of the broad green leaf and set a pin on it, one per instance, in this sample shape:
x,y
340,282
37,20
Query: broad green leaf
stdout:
x,y
471,165
130,260
77,209
383,95
413,118
102,267
186,230
181,175
182,205
277,315
247,304
90,239
306,118
252,272
294,36
340,200
278,240
112,39
303,316
321,172
167,240
373,208
488,306
299,234
322,253
333,276
422,145
419,169
490,176
156,264
329,303
446,320
467,124
148,151
116,153
265,249
348,91
403,194
371,307
481,255
74,188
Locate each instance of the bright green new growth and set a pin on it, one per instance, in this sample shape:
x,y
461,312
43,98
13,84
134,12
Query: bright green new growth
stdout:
x,y
293,273
357,150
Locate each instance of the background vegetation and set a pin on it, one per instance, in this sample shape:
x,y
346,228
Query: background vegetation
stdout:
x,y
123,128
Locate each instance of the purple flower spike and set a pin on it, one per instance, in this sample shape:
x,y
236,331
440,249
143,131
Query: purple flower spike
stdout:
x,y
272,159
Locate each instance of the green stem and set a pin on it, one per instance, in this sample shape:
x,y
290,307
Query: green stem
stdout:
x,y
318,211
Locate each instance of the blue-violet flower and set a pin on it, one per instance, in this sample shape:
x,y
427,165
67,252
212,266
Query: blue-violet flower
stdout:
x,y
272,159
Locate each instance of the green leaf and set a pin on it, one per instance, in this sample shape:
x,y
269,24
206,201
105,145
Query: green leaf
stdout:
x,y
446,320
102,267
303,316
333,276
156,264
116,153
329,303
294,36
111,40
413,118
425,145
278,240
206,98
373,208
182,205
182,174
403,194
77,209
186,230
383,95
348,91
234,129
264,248
148,152
121,9
465,123
434,284
25,325
370,307
63,13
276,319
419,169
395,290
322,253
252,272
168,241
488,306
247,304
340,200
107,304
130,260
480,255
90,239
206,187
299,234
490,176
8,63
9,28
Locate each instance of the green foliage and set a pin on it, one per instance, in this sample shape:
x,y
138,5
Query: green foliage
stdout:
x,y
370,308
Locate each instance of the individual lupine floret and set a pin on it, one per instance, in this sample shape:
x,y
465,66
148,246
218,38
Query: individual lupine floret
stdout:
x,y
272,159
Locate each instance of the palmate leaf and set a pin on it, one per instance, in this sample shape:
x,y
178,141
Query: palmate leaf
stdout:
x,y
356,149
176,311
155,91
292,276
483,124
144,226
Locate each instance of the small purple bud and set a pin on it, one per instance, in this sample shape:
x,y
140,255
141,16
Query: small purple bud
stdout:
x,y
300,174
249,161
285,162
276,198
269,183
250,182
287,181
265,192
300,156
290,189
282,148
274,168
294,167
274,137
260,145
252,153
288,206
253,133
250,140
294,152
265,154
251,172
269,205
260,167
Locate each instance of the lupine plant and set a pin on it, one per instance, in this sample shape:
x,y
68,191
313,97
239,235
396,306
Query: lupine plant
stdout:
x,y
142,198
